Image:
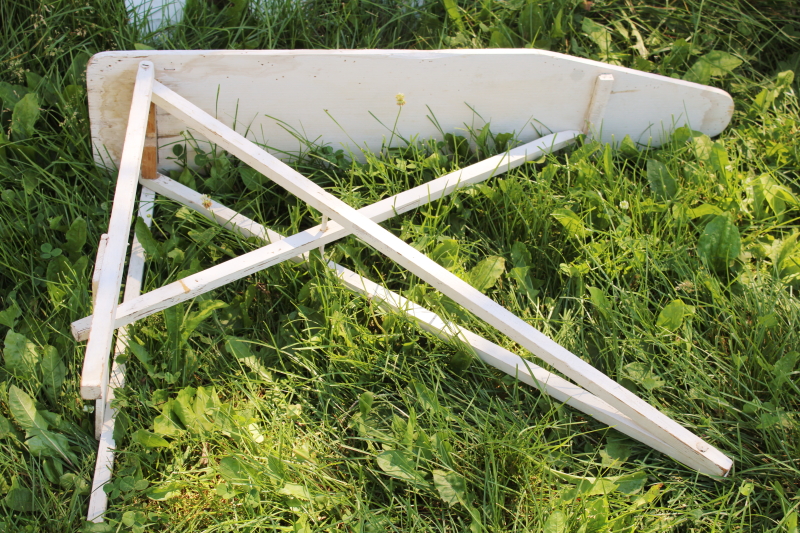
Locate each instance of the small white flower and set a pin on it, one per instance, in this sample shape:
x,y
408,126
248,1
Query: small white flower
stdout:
x,y
624,205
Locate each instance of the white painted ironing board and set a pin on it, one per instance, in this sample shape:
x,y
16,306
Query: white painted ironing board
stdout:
x,y
547,99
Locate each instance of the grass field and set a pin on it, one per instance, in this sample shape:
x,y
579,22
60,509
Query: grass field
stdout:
x,y
285,403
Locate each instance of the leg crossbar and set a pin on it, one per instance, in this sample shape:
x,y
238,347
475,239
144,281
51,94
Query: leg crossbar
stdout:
x,y
282,249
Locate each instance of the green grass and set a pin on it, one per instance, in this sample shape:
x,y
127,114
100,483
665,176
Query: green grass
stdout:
x,y
675,271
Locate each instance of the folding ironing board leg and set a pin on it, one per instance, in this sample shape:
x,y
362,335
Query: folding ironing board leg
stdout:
x,y
94,379
98,501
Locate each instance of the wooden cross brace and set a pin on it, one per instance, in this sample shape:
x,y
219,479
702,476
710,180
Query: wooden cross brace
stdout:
x,y
597,395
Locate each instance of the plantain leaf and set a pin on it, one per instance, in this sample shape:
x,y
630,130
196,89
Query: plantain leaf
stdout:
x,y
6,428
167,423
53,372
204,310
19,498
662,184
714,63
11,94
486,273
151,246
671,317
556,523
531,22
24,117
600,35
454,13
520,255
600,301
50,444
720,243
571,222
452,487
253,179
20,355
400,465
76,236
164,492
183,407
641,374
446,253
365,403
786,259
23,410
9,316
206,405
149,440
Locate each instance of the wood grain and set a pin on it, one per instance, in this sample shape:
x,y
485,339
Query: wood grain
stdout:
x,y
328,95
150,152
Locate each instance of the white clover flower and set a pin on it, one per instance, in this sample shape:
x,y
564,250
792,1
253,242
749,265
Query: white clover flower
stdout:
x,y
624,205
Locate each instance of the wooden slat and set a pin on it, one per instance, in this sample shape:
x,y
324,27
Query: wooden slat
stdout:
x,y
94,380
98,263
693,450
100,404
502,359
492,354
302,242
98,501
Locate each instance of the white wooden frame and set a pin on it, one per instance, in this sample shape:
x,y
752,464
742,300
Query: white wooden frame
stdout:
x,y
597,394
104,412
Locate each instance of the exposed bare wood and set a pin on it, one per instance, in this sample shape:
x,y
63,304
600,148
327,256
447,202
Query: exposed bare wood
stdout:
x,y
150,153
94,380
